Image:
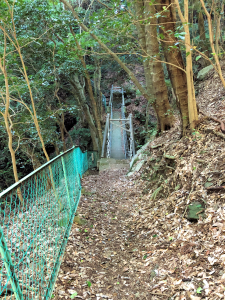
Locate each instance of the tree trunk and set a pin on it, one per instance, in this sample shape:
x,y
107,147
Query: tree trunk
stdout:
x,y
212,42
217,35
63,116
67,132
147,116
97,76
192,106
203,41
90,91
222,23
61,127
173,56
56,149
164,121
97,84
201,27
6,117
161,103
139,10
78,91
32,155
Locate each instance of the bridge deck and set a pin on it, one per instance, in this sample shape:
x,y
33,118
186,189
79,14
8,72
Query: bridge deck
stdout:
x,y
117,144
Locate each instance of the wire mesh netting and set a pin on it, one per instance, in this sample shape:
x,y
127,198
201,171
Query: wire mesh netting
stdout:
x,y
36,216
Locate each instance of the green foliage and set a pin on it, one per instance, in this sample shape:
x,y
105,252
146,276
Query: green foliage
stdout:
x,y
140,116
51,57
199,290
82,135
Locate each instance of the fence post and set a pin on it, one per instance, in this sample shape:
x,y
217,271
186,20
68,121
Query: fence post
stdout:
x,y
66,182
9,267
78,177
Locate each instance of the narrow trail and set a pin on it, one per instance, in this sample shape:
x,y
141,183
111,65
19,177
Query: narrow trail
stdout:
x,y
106,252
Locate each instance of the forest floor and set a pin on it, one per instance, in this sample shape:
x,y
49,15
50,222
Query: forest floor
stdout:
x,y
137,242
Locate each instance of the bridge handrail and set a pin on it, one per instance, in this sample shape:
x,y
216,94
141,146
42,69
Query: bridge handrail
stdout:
x,y
110,128
125,142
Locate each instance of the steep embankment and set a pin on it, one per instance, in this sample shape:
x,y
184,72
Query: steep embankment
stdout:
x,y
177,173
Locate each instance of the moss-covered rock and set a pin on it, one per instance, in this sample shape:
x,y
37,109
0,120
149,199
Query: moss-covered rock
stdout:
x,y
203,72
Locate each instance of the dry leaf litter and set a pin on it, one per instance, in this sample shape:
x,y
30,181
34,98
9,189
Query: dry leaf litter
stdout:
x,y
136,242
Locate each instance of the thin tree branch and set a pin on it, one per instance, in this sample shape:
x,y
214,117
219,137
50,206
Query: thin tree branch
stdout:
x,y
104,5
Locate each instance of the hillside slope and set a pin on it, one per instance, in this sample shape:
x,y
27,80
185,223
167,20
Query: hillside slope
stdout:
x,y
190,256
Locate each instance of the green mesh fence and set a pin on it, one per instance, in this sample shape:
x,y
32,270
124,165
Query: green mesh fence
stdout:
x,y
36,216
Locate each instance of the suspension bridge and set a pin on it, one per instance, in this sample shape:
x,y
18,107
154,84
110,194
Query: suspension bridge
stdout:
x,y
37,213
118,146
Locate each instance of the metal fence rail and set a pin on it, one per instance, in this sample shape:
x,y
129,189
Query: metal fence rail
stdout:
x,y
36,215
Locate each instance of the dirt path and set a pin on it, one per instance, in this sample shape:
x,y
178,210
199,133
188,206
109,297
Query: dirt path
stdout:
x,y
104,258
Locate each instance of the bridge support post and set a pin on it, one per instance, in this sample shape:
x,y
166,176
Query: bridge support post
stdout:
x,y
105,135
132,134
